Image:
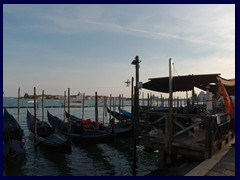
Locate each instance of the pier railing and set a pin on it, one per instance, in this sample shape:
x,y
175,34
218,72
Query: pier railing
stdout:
x,y
198,136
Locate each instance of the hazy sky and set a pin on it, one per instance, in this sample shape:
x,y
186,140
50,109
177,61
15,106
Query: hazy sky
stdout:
x,y
90,48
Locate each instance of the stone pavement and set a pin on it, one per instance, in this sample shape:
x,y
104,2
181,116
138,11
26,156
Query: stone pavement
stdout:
x,y
221,164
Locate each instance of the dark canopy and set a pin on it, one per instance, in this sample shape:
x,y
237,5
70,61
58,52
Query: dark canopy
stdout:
x,y
188,82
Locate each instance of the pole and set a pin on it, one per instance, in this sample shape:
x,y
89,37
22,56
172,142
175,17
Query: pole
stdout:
x,y
110,104
96,107
69,123
69,119
136,62
83,104
170,102
42,105
122,101
132,100
104,108
18,105
64,106
119,107
35,116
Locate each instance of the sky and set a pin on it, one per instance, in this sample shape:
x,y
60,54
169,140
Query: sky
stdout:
x,y
90,48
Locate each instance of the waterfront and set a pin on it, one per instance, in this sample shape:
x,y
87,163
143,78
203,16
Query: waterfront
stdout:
x,y
114,159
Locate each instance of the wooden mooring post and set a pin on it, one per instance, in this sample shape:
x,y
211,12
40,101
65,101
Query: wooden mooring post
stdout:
x,y
96,107
18,117
64,107
35,118
83,104
42,105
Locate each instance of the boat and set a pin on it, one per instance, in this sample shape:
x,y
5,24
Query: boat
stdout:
x,y
120,129
74,103
31,101
117,115
125,113
86,123
80,134
46,136
13,139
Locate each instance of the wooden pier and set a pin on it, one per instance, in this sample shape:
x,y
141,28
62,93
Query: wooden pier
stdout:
x,y
195,136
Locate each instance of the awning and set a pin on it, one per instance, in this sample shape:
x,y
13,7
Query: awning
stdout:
x,y
188,82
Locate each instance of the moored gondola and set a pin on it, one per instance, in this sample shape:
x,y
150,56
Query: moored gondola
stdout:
x,y
118,116
46,137
80,134
13,139
120,129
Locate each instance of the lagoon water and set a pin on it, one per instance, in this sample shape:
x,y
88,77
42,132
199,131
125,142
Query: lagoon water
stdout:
x,y
114,159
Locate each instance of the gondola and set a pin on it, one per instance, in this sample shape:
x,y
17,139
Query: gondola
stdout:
x,y
86,123
80,134
120,129
118,116
46,136
13,139
125,113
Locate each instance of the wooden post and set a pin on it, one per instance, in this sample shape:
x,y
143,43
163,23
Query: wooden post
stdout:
x,y
69,119
178,102
35,116
110,104
42,105
170,116
104,107
136,62
69,123
208,137
148,102
122,102
161,101
132,99
96,107
114,108
18,119
83,104
120,106
142,98
64,107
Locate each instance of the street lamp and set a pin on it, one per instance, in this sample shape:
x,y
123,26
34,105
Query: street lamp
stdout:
x,y
135,112
128,82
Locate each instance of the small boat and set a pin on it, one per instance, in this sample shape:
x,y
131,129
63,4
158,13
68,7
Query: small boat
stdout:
x,y
31,102
46,137
117,115
86,123
80,134
125,113
74,103
120,129
13,139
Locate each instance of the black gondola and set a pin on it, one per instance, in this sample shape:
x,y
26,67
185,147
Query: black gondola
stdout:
x,y
46,136
13,139
118,116
80,134
121,129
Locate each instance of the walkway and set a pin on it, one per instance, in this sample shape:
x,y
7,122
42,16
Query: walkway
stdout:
x,y
221,163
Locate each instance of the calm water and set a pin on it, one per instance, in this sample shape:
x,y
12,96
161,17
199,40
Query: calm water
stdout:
x,y
113,159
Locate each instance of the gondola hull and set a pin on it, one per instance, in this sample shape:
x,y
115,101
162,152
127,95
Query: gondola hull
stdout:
x,y
121,129
80,134
13,139
46,138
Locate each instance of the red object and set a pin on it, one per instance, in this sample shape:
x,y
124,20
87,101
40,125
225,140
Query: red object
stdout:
x,y
86,122
229,103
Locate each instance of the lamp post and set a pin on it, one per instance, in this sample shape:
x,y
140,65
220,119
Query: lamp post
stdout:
x,y
135,112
